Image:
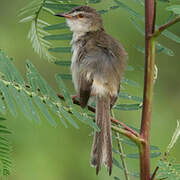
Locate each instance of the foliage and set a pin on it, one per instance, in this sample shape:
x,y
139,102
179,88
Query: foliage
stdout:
x,y
5,150
35,98
169,169
40,36
174,8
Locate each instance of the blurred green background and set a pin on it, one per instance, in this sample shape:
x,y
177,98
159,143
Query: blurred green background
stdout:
x,y
46,153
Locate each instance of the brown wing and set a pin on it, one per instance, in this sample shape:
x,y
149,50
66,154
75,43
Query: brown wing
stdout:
x,y
84,90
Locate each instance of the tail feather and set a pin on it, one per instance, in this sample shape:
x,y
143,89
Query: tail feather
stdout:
x,y
102,145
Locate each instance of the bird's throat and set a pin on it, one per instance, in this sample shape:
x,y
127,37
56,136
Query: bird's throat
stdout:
x,y
77,36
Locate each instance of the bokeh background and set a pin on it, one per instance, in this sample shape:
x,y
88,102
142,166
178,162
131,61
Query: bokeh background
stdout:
x,y
44,152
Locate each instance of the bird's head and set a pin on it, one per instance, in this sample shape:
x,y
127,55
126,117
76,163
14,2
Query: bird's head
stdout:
x,y
83,19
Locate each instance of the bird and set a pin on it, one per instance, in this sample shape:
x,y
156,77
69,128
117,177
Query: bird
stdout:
x,y
97,65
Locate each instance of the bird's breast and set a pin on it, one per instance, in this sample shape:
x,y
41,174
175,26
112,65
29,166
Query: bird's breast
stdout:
x,y
75,66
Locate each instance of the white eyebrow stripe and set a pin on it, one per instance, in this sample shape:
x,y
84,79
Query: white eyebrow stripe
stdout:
x,y
76,13
79,12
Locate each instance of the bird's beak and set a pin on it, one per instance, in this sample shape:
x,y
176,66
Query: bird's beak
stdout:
x,y
64,15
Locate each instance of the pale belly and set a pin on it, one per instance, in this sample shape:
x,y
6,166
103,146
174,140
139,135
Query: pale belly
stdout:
x,y
98,86
75,68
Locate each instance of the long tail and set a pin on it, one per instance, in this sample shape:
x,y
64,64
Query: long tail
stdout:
x,y
102,145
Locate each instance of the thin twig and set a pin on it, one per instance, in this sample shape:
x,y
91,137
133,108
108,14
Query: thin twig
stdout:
x,y
113,120
122,157
165,26
154,173
137,140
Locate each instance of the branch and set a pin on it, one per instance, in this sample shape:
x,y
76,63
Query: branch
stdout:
x,y
165,26
115,121
137,140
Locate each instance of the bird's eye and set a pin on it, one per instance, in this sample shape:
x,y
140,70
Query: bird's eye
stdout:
x,y
80,15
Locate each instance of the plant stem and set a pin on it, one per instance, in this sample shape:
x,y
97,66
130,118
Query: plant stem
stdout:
x,y
144,147
126,174
138,140
147,114
165,26
75,101
122,155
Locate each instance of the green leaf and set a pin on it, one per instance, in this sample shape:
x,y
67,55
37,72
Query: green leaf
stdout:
x,y
67,36
113,7
20,102
116,178
8,69
2,106
174,8
30,106
2,119
44,110
36,34
136,155
117,164
166,33
48,10
56,109
137,26
128,142
103,11
63,63
65,76
56,27
84,118
128,107
39,84
130,82
64,7
27,19
159,47
140,2
8,98
69,118
4,131
154,148
64,90
140,49
129,10
166,1
60,49
32,4
130,97
171,36
164,49
32,77
168,169
94,1
129,68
